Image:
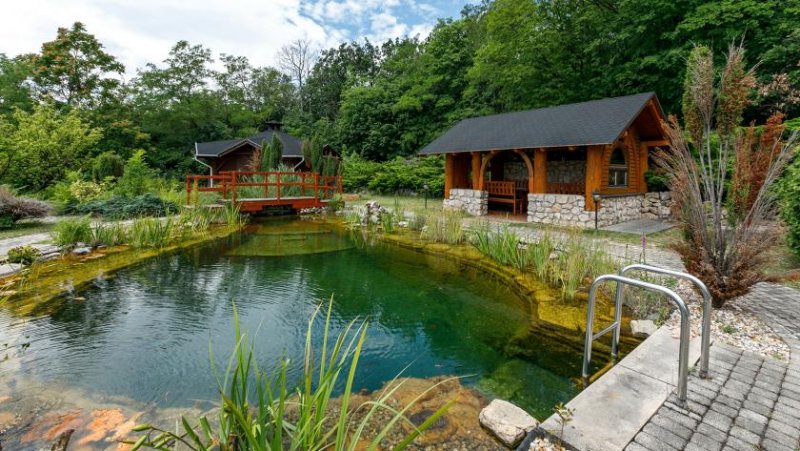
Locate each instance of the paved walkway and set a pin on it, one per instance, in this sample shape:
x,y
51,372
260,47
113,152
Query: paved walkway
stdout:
x,y
749,402
640,226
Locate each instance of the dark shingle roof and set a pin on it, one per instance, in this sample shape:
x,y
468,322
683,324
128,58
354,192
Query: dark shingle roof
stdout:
x,y
576,124
292,147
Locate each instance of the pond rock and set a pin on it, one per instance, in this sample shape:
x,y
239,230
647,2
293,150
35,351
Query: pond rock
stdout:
x,y
507,422
81,250
643,327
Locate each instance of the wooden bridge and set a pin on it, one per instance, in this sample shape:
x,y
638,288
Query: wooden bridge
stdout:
x,y
254,191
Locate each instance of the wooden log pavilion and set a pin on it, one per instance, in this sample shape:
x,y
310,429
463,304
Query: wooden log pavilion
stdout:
x,y
600,145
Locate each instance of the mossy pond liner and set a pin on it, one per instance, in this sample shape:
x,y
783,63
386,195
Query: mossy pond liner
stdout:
x,y
138,325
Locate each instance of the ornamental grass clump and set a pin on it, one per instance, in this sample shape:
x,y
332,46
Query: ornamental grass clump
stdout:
x,y
263,410
24,255
69,232
108,235
152,232
722,175
444,226
502,246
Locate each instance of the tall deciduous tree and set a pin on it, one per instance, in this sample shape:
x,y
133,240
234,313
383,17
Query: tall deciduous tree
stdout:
x,y
74,69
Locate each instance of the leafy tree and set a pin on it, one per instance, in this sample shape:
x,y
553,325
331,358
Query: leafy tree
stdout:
x,y
137,177
74,69
43,145
14,91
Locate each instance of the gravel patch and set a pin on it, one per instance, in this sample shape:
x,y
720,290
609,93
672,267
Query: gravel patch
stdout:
x,y
732,325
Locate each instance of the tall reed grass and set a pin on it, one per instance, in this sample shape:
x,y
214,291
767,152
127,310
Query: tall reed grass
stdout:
x,y
153,232
112,234
570,263
265,411
444,226
71,231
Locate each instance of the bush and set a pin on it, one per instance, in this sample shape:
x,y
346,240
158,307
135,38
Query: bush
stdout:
x,y
70,232
151,232
444,227
107,165
23,254
13,209
119,207
656,181
394,175
790,205
138,178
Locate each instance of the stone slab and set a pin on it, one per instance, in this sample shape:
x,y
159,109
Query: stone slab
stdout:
x,y
640,226
610,412
657,357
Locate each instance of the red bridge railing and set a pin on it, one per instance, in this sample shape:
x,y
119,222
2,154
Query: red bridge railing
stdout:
x,y
265,186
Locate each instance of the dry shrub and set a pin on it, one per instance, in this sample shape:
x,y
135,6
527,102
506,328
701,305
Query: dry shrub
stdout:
x,y
727,227
13,208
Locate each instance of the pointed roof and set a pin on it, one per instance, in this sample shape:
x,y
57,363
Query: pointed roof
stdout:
x,y
292,147
577,124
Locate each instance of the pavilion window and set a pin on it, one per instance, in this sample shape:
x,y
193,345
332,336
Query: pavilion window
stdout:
x,y
617,170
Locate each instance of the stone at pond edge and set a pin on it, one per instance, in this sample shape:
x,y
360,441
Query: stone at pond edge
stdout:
x,y
507,422
81,251
643,328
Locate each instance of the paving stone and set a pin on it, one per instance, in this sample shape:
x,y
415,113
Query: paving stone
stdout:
x,y
759,393
728,401
744,435
713,432
633,446
664,435
718,420
677,417
738,444
772,445
789,429
758,406
649,442
752,421
704,442
791,394
778,436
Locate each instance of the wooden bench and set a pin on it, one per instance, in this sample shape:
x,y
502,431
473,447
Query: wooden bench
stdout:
x,y
504,192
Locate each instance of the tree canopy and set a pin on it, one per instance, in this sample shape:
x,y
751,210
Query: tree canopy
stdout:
x,y
384,100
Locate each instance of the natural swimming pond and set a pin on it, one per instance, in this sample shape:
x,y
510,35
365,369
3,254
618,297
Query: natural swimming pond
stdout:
x,y
142,334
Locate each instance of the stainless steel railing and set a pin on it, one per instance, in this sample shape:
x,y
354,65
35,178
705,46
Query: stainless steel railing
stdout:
x,y
683,353
705,340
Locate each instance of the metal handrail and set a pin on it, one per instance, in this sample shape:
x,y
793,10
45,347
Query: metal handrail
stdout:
x,y
705,340
683,354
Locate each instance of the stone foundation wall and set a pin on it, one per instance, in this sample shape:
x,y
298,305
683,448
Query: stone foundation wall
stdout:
x,y
657,205
569,210
470,201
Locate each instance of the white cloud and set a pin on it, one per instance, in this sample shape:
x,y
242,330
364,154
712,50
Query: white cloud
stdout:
x,y
142,31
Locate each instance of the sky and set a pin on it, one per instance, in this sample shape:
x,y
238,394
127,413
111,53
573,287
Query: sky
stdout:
x,y
142,31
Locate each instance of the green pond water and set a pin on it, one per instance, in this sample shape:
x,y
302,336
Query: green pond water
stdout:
x,y
143,333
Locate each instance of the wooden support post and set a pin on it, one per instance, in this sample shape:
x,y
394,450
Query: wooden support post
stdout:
x,y
188,191
476,170
644,162
539,183
234,176
448,174
594,168
278,184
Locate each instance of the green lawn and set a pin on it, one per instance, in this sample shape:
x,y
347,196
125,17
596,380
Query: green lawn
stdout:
x,y
409,203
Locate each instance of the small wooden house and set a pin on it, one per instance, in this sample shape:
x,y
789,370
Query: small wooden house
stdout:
x,y
237,154
548,163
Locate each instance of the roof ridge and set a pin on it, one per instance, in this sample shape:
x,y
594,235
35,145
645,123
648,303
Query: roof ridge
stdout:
x,y
544,108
